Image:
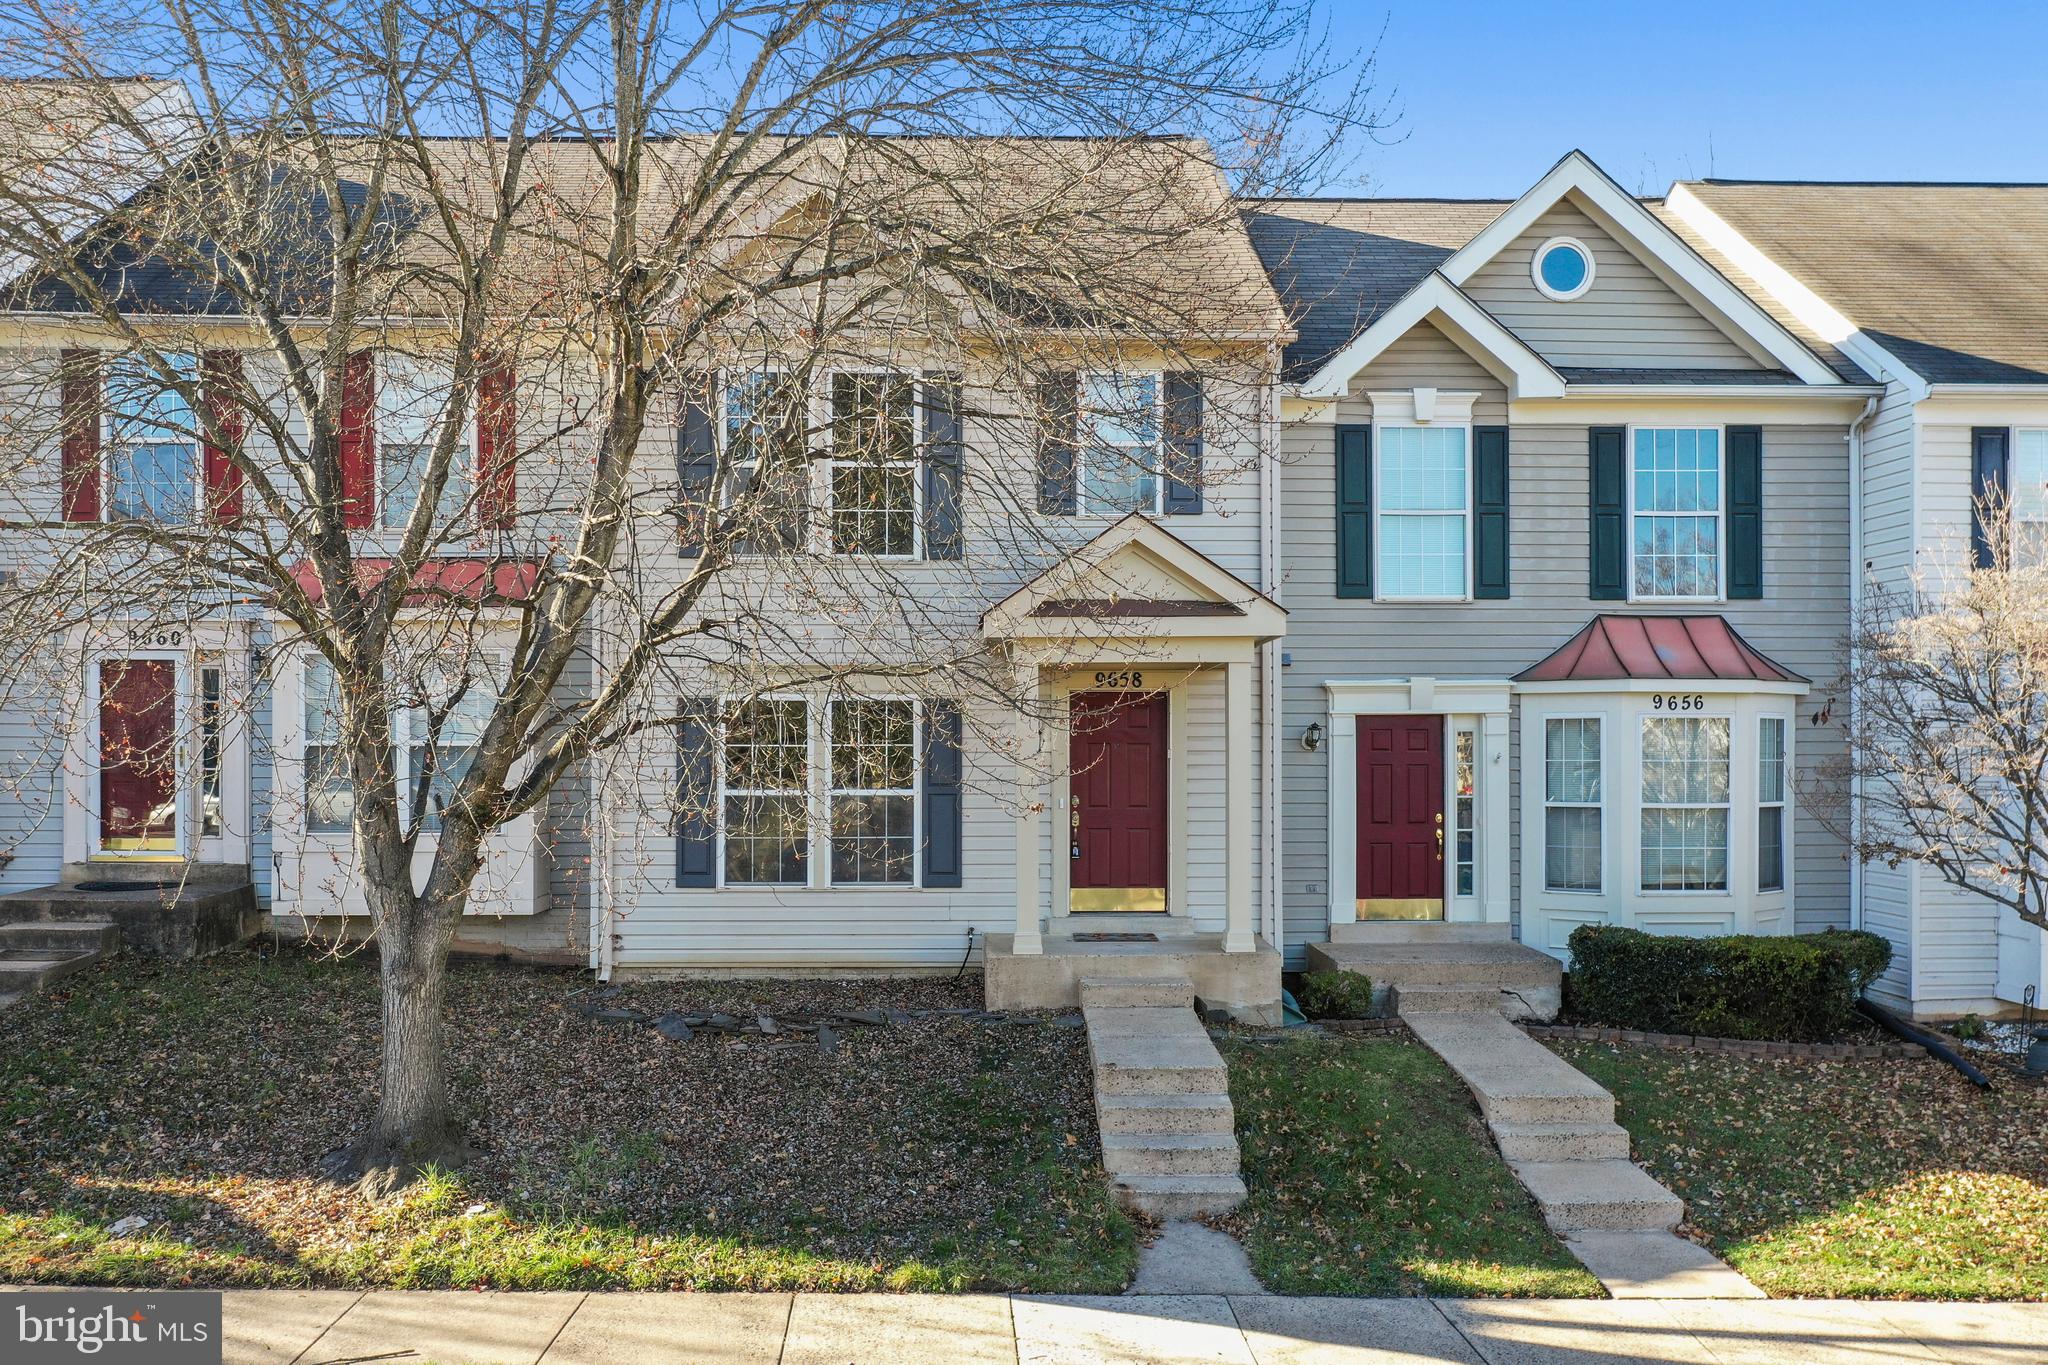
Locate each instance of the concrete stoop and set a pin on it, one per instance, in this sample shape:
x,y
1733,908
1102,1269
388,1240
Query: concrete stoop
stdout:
x,y
1555,1128
1162,1098
35,954
1412,974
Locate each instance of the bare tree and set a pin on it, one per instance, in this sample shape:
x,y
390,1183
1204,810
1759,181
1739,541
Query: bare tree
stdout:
x,y
567,232
1947,691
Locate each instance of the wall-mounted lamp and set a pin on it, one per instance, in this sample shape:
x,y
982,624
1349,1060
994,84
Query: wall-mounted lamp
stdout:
x,y
1312,737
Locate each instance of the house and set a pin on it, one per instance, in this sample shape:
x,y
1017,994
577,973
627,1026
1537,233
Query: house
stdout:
x,y
1565,527
1939,293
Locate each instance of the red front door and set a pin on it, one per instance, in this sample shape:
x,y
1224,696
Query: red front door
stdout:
x,y
138,755
1117,804
1400,817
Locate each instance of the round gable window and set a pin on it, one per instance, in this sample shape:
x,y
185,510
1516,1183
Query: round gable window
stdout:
x,y
1562,268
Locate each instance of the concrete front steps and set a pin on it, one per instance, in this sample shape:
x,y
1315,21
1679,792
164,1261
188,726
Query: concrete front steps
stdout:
x,y
36,953
1555,1128
1162,1098
1428,965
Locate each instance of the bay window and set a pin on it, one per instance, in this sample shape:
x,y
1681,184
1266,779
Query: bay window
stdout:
x,y
153,442
1675,508
434,733
1685,764
1118,469
1572,852
1423,528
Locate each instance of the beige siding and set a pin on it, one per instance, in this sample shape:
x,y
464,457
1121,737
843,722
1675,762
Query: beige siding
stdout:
x,y
1800,622
1629,317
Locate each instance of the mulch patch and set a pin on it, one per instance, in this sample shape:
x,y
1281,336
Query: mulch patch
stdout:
x,y
936,1147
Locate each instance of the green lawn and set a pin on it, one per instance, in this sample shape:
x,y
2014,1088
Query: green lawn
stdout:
x,y
1844,1179
1370,1172
942,1153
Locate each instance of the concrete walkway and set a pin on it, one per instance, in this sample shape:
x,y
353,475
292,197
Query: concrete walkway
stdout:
x,y
317,1327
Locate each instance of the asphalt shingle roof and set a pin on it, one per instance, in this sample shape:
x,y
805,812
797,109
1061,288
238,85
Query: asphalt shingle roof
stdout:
x,y
1951,279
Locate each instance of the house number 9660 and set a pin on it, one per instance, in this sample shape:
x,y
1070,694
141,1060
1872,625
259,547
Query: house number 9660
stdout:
x,y
1674,701
1122,677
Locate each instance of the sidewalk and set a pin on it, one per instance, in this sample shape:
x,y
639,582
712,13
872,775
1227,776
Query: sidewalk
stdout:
x,y
319,1327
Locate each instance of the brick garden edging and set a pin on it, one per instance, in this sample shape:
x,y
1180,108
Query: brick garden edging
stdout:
x,y
1734,1047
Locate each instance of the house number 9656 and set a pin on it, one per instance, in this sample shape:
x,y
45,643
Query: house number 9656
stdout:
x,y
1122,677
1678,701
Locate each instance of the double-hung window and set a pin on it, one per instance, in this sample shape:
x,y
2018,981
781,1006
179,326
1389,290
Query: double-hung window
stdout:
x,y
767,435
1685,803
1770,804
412,398
1424,530
765,807
434,733
1118,469
153,445
1571,803
1675,508
2029,495
874,791
874,465
852,792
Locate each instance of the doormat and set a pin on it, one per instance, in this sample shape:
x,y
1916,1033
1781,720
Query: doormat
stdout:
x,y
1116,938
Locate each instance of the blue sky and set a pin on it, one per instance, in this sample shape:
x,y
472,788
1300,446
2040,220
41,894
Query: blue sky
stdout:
x,y
1492,93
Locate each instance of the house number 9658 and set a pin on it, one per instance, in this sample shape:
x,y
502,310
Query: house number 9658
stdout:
x,y
1122,677
1675,701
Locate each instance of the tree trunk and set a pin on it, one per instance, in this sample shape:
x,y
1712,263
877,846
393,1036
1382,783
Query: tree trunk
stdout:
x,y
413,1127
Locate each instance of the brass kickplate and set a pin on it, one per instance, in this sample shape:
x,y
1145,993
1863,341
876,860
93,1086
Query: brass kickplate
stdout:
x,y
1092,900
1409,907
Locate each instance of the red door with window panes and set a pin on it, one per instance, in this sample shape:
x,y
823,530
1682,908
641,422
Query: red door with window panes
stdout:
x,y
1400,817
1117,801
138,714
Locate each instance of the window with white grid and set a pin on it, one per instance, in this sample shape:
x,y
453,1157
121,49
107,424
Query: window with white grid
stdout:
x,y
766,432
766,795
2029,495
152,441
1571,804
874,465
1770,804
1424,492
1685,803
1675,505
874,791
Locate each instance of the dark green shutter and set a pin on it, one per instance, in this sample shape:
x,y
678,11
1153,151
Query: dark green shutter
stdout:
x,y
1745,513
1059,434
1354,511
943,788
1990,450
1183,445
944,454
697,793
1607,453
696,461
1490,513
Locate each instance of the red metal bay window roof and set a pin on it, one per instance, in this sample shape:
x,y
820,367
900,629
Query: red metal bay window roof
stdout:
x,y
473,580
1657,649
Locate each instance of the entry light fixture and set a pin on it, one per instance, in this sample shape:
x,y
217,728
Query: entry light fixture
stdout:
x,y
1312,737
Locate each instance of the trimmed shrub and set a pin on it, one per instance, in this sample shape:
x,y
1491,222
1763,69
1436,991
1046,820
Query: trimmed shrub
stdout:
x,y
1798,989
1336,995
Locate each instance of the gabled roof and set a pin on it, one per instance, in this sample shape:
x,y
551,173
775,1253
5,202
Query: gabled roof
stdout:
x,y
1136,578
1948,281
1436,300
1657,649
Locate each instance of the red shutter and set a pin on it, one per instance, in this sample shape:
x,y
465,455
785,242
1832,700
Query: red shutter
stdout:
x,y
359,441
497,447
221,373
79,397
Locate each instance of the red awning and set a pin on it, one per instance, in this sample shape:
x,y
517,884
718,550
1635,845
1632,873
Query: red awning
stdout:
x,y
1656,649
474,580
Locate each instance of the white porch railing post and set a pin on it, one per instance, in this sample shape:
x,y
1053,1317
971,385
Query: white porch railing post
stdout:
x,y
1030,795
1239,741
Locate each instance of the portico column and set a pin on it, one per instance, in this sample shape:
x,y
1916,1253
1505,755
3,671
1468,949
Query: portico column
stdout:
x,y
1239,742
1030,797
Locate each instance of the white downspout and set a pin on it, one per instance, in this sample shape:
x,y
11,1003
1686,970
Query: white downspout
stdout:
x,y
1269,671
604,841
1855,616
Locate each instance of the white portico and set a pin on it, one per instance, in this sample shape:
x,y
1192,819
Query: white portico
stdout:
x,y
1136,729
